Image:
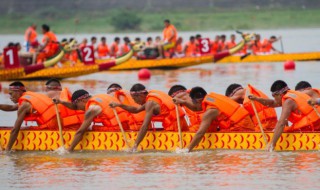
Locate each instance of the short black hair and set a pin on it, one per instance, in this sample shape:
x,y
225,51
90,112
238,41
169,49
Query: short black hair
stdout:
x,y
167,21
114,85
103,38
93,38
197,92
231,88
149,38
191,38
71,39
17,83
53,80
126,39
137,87
278,85
116,39
10,44
64,40
137,39
302,84
46,27
176,88
198,36
78,93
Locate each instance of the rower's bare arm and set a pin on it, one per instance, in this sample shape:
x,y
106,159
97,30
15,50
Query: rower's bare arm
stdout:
x,y
69,105
288,106
7,107
264,101
207,119
187,103
131,109
149,107
44,44
90,114
23,110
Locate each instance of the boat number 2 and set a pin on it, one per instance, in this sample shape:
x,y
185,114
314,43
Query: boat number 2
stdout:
x,y
204,45
88,55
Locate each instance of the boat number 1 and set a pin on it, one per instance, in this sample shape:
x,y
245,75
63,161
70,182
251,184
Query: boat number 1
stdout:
x,y
88,55
204,44
11,58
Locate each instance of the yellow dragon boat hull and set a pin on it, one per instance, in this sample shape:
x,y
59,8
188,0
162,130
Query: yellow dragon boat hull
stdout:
x,y
79,69
159,141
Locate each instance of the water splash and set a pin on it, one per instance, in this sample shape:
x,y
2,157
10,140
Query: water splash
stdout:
x,y
181,151
61,150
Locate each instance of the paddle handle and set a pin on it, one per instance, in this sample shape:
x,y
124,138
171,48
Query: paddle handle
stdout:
x,y
317,112
259,122
59,124
121,127
179,126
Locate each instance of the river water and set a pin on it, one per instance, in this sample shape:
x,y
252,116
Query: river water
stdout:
x,y
219,169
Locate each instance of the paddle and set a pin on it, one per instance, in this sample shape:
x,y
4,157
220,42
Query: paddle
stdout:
x,y
282,50
315,109
179,126
121,128
258,119
59,124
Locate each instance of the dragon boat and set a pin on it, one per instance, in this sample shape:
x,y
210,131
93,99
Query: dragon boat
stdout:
x,y
125,63
20,72
190,61
40,140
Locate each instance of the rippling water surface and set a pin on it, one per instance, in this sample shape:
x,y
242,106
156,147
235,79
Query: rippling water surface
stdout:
x,y
219,169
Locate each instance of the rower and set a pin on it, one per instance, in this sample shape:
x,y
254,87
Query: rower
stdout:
x,y
193,118
30,37
71,119
124,97
31,107
294,109
169,38
50,44
97,110
305,87
267,115
220,114
158,106
266,45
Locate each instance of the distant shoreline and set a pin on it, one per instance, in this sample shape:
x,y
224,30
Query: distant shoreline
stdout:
x,y
62,23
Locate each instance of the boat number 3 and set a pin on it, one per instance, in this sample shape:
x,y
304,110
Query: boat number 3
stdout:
x,y
204,45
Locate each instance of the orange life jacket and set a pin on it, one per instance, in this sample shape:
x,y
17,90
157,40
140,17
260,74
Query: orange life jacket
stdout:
x,y
32,37
222,46
266,46
107,117
195,118
52,45
167,32
214,47
71,119
43,111
191,49
103,50
231,45
178,48
167,113
230,112
304,118
135,120
125,49
267,115
256,47
115,49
